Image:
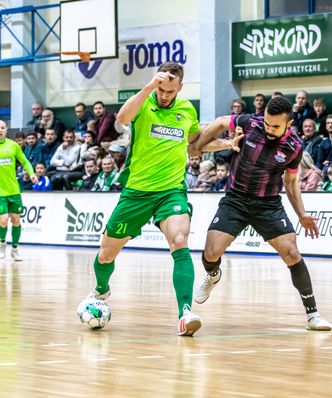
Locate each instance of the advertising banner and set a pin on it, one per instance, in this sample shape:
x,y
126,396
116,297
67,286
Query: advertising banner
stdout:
x,y
141,51
282,47
76,219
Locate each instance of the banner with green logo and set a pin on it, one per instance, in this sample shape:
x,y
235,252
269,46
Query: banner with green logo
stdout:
x,y
287,47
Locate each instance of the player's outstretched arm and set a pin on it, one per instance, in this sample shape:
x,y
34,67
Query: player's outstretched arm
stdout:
x,y
209,134
293,192
131,107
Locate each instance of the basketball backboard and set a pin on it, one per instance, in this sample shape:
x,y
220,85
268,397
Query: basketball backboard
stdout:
x,y
88,26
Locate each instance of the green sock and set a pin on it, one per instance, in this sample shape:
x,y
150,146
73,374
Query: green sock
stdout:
x,y
3,233
103,273
183,278
16,233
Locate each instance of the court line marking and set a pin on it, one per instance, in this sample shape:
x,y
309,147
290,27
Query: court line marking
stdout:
x,y
55,344
8,363
50,362
243,352
242,394
150,357
288,349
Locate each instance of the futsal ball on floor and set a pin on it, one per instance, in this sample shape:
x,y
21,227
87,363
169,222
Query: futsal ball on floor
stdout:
x,y
94,313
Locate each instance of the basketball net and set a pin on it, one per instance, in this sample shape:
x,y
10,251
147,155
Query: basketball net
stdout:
x,y
85,56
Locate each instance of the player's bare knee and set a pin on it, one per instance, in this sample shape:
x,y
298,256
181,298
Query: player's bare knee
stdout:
x,y
179,242
105,256
211,255
3,221
292,255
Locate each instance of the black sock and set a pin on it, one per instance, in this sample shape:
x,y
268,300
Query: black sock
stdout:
x,y
212,268
301,280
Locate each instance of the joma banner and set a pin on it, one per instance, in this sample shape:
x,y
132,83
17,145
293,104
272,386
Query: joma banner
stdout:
x,y
287,47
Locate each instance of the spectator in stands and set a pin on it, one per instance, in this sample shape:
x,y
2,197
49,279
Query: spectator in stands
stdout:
x,y
325,149
24,181
49,148
204,180
192,172
118,153
98,154
124,134
88,145
63,159
238,106
44,183
310,177
83,117
20,139
32,151
277,94
301,110
222,177
327,185
49,121
104,181
89,178
34,123
260,102
311,139
104,126
320,116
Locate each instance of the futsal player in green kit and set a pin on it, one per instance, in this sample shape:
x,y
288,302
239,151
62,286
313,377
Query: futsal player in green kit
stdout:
x,y
10,194
162,127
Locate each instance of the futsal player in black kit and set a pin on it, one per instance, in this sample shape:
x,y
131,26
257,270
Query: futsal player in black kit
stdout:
x,y
269,157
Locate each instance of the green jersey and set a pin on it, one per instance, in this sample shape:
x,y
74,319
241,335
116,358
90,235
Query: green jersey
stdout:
x,y
158,153
9,153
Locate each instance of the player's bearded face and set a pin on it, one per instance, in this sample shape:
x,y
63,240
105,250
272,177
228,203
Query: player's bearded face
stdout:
x,y
276,126
166,92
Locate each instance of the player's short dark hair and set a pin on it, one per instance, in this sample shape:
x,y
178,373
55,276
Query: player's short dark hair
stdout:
x,y
278,106
172,67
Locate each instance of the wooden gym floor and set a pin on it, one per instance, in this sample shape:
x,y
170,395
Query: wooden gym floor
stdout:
x,y
252,344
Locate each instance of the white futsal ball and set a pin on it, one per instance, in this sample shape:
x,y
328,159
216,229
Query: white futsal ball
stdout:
x,y
94,313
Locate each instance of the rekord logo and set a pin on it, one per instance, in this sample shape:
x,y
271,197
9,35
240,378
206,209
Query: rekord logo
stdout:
x,y
83,226
298,39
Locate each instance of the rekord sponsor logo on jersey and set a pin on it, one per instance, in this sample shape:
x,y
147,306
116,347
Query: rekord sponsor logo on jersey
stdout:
x,y
83,226
171,133
280,157
5,161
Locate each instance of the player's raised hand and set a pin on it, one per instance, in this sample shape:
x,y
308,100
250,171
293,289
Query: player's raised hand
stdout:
x,y
308,222
236,140
161,77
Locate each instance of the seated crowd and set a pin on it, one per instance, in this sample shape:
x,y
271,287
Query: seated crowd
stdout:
x,y
91,156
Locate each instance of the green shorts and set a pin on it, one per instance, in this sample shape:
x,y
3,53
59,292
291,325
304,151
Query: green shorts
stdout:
x,y
136,208
11,204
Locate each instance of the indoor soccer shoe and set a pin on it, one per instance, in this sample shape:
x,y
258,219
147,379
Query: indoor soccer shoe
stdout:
x,y
95,294
16,255
317,322
204,291
189,323
2,250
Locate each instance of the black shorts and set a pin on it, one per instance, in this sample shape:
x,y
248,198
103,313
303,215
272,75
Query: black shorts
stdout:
x,y
266,215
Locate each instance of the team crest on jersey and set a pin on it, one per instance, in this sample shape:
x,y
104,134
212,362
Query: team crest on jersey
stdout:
x,y
178,116
171,133
280,157
177,208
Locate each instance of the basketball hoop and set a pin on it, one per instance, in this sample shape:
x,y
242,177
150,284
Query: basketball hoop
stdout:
x,y
85,56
